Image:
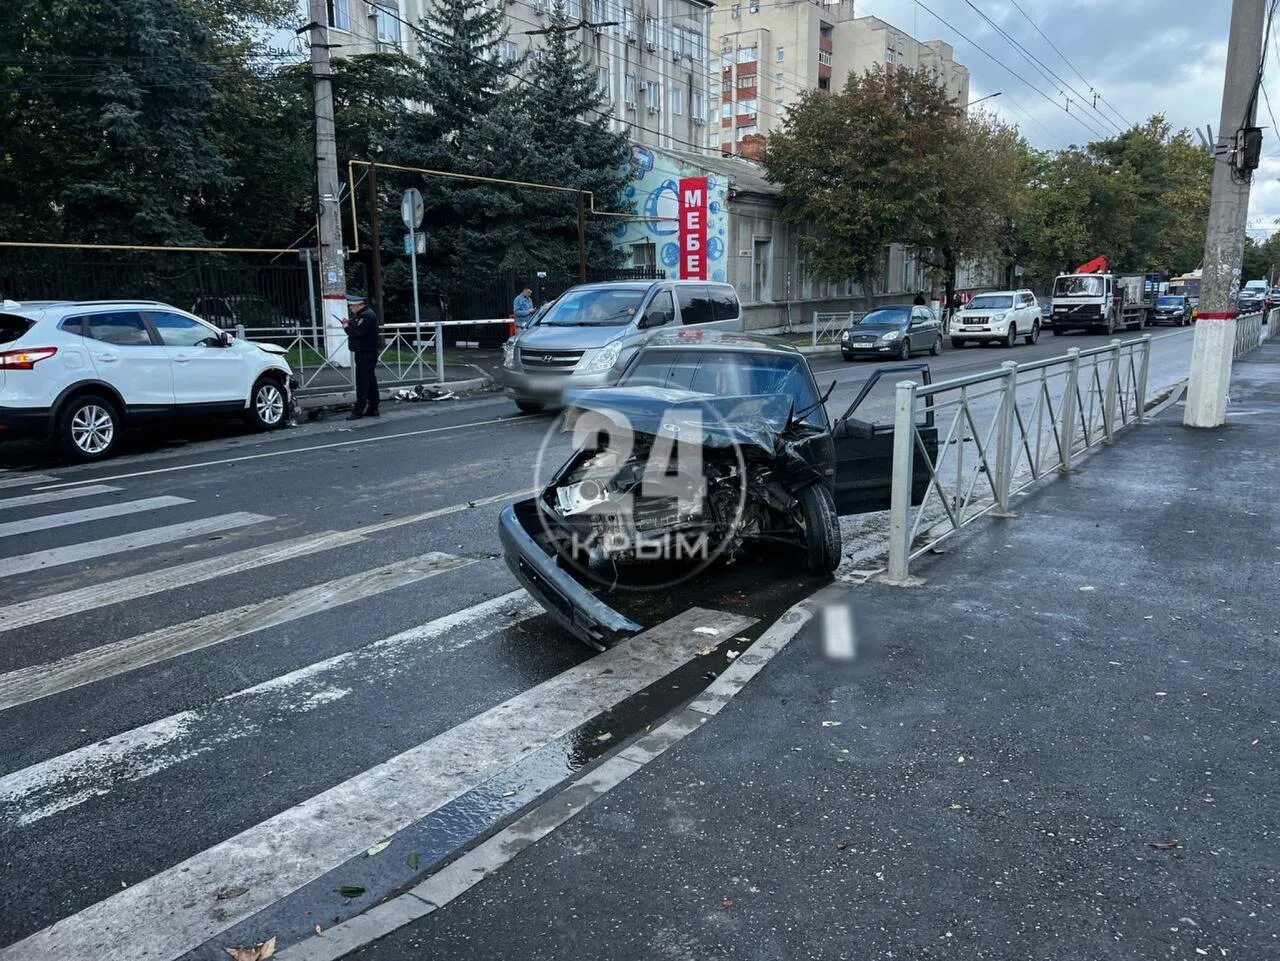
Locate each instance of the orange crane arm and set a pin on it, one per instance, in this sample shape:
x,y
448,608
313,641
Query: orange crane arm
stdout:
x,y
1098,265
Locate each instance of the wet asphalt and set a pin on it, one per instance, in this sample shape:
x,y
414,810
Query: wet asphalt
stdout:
x,y
323,476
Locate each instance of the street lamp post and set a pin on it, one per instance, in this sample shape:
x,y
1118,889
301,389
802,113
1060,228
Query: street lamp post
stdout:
x,y
980,99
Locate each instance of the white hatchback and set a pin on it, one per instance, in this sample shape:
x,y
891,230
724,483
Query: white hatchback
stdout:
x,y
78,372
1000,318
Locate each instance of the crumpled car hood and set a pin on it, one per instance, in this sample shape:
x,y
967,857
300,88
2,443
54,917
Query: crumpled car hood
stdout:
x,y
757,420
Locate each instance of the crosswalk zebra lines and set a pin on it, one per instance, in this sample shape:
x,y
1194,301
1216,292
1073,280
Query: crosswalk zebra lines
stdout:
x,y
105,780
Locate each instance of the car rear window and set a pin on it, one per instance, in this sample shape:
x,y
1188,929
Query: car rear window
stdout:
x,y
123,328
724,303
695,306
12,327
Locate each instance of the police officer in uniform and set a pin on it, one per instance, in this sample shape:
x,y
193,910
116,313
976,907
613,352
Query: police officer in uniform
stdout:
x,y
362,338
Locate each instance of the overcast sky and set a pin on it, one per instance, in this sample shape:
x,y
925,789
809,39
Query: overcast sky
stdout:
x,y
1143,56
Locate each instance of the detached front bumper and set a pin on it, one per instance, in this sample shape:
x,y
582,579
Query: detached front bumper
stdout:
x,y
574,607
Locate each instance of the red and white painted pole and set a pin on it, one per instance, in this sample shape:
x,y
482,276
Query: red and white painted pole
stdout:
x,y
1215,334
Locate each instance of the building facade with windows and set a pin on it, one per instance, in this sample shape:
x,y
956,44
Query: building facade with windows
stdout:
x,y
771,51
652,58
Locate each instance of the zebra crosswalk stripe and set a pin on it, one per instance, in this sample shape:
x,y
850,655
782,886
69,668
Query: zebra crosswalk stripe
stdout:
x,y
88,550
47,522
52,497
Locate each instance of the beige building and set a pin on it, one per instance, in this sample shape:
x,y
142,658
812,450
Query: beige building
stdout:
x,y
652,58
773,51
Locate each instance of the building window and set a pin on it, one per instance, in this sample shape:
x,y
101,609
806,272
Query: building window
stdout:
x,y
761,279
697,49
629,88
628,22
677,100
746,80
340,14
747,130
726,110
748,54
602,81
388,24
888,55
755,6
781,54
644,255
677,41
698,106
572,10
508,51
780,79
651,31
597,11
747,106
736,11
824,57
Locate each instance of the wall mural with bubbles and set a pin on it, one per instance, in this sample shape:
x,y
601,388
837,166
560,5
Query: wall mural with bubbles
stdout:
x,y
654,193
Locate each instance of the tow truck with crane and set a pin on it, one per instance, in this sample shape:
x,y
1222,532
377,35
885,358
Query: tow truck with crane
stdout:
x,y
1093,298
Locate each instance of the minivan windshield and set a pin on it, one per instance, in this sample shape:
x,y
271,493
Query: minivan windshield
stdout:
x,y
599,307
991,302
1080,286
886,317
1170,300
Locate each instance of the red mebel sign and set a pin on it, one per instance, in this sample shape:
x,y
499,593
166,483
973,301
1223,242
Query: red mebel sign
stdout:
x,y
693,228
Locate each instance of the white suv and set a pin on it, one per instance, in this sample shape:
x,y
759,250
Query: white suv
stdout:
x,y
78,372
1001,317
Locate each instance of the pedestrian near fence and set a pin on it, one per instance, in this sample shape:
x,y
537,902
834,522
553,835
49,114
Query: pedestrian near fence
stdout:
x,y
522,308
362,338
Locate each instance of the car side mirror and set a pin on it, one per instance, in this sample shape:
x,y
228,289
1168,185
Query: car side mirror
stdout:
x,y
655,318
225,339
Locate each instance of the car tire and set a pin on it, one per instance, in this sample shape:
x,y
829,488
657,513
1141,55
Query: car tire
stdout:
x,y
1011,338
1056,331
904,352
936,349
821,530
958,342
1034,335
268,405
89,428
530,406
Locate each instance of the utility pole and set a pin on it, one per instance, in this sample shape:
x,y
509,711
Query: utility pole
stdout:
x,y
1215,334
375,245
582,241
333,271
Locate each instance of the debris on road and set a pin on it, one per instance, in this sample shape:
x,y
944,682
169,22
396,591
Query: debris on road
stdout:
x,y
378,848
1164,845
259,952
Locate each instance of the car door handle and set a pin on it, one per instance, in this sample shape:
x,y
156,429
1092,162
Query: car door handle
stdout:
x,y
106,358
182,359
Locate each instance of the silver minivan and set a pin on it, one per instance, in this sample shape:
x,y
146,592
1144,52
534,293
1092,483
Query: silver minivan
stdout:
x,y
590,333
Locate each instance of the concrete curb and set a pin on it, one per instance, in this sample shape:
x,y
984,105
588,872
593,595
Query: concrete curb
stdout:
x,y
459,876
344,398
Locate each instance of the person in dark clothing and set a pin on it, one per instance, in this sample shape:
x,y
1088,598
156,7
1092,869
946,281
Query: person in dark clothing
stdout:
x,y
919,300
362,338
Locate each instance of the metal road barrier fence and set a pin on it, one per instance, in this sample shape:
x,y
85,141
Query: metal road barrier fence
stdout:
x,y
1252,330
986,437
827,328
408,356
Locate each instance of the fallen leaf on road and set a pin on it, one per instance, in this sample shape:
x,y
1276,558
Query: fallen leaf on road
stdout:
x,y
1087,588
319,930
725,904
226,894
378,848
351,890
731,654
259,952
832,723
707,651
842,845
606,736
413,861
1163,845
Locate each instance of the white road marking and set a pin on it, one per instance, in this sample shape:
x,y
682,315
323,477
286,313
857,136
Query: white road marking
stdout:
x,y
49,495
88,550
359,442
81,599
177,910
108,660
55,785
24,480
67,518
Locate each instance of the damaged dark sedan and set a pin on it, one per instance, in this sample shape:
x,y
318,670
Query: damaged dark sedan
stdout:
x,y
709,445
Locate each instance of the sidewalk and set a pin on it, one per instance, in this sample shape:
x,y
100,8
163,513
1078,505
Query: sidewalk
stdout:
x,y
1065,746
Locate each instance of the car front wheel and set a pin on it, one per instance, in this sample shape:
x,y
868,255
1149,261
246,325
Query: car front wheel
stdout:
x,y
821,530
89,428
936,349
529,406
1034,335
268,405
1011,338
957,342
904,352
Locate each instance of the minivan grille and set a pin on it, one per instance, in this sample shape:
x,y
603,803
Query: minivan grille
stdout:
x,y
550,361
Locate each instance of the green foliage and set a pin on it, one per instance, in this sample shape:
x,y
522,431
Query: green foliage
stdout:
x,y
857,166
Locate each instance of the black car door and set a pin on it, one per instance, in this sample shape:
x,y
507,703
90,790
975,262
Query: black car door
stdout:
x,y
864,439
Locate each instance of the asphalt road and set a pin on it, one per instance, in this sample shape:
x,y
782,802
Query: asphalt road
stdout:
x,y
212,641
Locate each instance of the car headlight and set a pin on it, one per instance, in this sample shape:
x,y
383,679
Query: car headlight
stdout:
x,y
509,354
603,359
892,336
999,317
845,335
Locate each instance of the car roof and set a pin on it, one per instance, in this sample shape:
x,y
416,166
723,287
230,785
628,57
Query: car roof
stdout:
x,y
719,340
644,284
1002,293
